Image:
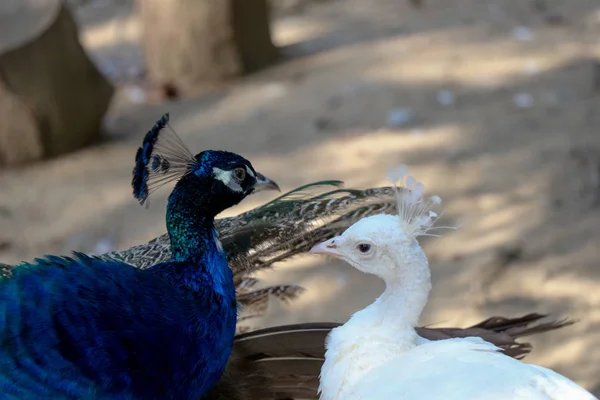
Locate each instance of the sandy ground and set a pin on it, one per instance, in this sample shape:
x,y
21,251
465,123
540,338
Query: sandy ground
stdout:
x,y
492,104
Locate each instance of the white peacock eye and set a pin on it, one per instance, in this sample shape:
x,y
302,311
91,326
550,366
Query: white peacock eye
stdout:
x,y
239,174
364,248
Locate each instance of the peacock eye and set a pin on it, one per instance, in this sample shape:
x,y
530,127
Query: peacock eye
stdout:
x,y
364,248
239,174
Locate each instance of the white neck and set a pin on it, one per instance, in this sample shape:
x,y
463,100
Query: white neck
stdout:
x,y
380,332
405,295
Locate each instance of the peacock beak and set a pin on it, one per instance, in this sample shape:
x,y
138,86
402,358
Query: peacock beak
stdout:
x,y
264,183
327,247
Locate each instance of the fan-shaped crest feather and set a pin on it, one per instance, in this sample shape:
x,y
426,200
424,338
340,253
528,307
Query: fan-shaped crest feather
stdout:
x,y
415,212
163,158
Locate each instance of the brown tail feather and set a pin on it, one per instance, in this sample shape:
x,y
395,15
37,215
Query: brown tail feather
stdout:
x,y
290,357
501,331
307,340
520,327
255,303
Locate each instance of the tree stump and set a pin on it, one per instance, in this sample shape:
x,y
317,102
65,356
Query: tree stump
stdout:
x,y
52,97
197,43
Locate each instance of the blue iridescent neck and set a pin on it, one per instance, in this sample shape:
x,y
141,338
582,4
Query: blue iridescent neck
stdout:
x,y
195,248
190,224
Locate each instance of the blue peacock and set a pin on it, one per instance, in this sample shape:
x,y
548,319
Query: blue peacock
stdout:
x,y
86,328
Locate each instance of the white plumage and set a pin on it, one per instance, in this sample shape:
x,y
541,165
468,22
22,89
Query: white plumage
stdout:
x,y
377,355
463,369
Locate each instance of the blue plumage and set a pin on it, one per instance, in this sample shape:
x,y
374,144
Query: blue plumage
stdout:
x,y
84,328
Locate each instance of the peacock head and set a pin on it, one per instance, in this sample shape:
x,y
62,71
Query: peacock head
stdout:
x,y
220,179
229,176
383,244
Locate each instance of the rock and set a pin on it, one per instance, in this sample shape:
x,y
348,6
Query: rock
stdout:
x,y
523,100
198,44
400,117
522,34
52,97
445,97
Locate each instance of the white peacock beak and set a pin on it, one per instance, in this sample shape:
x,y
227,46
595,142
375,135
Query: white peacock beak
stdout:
x,y
327,247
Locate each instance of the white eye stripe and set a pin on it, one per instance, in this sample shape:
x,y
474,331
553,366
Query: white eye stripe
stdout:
x,y
222,175
227,178
249,171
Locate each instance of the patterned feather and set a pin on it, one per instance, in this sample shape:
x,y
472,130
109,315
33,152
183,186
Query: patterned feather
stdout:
x,y
283,228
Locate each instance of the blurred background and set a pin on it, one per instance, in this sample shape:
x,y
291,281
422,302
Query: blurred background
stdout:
x,y
493,104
